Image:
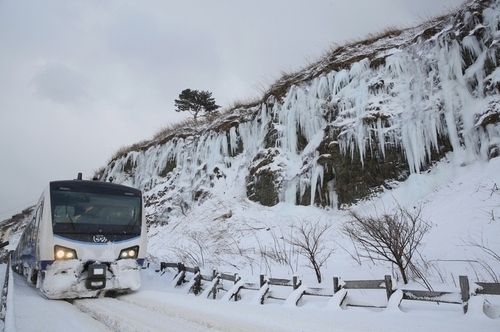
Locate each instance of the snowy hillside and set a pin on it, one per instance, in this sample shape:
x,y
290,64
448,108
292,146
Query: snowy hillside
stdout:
x,y
402,120
368,113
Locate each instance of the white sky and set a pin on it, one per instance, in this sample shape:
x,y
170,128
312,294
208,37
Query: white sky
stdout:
x,y
79,80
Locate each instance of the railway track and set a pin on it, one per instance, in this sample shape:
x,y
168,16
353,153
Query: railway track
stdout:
x,y
119,315
128,313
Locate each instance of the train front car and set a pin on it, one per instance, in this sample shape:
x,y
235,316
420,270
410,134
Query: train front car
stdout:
x,y
94,239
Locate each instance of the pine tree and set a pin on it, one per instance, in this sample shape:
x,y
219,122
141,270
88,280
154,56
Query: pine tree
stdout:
x,y
194,102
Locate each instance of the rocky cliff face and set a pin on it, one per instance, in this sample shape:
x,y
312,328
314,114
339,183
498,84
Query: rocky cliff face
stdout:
x,y
366,115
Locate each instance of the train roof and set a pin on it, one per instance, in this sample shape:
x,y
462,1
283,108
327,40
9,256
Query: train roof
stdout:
x,y
93,186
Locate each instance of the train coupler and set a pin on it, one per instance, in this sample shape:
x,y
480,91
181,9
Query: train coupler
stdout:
x,y
96,276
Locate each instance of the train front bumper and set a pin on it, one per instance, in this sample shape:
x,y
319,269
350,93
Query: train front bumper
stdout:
x,y
76,279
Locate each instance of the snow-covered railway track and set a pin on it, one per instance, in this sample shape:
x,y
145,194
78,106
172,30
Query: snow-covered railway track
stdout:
x,y
119,315
31,311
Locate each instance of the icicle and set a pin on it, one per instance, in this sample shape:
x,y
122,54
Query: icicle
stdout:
x,y
471,45
287,118
322,89
317,174
395,65
341,80
359,68
491,19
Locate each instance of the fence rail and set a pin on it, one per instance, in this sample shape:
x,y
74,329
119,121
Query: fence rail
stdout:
x,y
265,288
488,288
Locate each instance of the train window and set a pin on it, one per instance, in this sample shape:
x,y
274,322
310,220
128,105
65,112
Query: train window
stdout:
x,y
63,213
97,209
91,211
39,213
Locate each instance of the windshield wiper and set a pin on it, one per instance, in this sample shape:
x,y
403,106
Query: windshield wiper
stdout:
x,y
131,223
70,219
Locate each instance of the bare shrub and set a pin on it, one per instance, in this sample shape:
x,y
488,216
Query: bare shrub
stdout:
x,y
124,150
281,250
391,237
247,103
99,173
194,251
478,241
173,128
310,238
387,32
182,204
305,239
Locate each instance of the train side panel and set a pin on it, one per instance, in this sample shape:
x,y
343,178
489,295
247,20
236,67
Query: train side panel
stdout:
x,y
26,258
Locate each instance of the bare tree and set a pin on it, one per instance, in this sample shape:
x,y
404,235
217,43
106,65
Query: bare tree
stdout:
x,y
391,237
310,239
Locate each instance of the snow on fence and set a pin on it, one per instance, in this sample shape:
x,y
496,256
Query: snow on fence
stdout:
x,y
339,284
461,297
180,277
291,291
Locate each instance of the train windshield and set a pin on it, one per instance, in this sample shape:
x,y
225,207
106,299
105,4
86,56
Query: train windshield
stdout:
x,y
96,209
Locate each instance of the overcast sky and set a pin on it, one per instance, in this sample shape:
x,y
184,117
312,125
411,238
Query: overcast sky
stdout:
x,y
81,79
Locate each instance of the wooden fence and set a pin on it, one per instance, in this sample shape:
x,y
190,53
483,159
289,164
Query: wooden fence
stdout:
x,y
266,288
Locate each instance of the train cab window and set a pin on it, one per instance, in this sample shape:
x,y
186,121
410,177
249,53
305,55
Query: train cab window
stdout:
x,y
63,214
92,209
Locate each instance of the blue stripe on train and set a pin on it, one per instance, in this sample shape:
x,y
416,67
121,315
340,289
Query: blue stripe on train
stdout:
x,y
94,243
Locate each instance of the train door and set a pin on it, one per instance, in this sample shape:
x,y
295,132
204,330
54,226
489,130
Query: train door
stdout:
x,y
33,245
36,228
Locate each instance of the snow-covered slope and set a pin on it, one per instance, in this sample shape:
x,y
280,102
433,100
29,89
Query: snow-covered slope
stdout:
x,y
410,118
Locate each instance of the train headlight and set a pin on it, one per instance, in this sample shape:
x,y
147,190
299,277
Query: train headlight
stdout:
x,y
63,253
129,253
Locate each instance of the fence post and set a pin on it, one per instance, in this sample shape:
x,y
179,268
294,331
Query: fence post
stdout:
x,y
261,280
295,286
335,284
388,286
180,269
464,291
214,288
197,283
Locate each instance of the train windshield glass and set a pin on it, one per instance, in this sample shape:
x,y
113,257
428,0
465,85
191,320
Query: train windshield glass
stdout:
x,y
104,211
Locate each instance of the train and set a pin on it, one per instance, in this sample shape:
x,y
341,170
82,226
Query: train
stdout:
x,y
84,239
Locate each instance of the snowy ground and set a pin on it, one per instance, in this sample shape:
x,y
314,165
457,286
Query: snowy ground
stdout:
x,y
459,202
159,306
